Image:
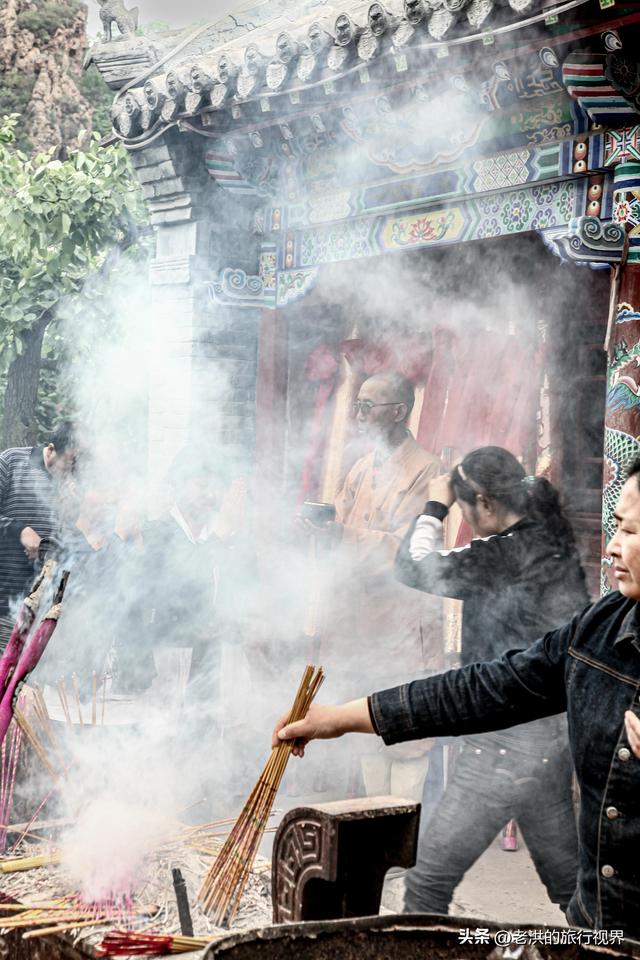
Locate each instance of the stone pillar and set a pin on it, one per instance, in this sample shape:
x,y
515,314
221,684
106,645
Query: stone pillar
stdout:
x,y
202,354
544,449
271,404
622,418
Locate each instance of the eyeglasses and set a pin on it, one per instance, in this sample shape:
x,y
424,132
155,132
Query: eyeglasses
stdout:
x,y
366,406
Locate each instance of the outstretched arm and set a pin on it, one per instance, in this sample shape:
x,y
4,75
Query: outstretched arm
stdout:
x,y
522,686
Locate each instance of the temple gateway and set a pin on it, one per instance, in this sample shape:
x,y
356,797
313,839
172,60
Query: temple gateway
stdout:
x,y
446,187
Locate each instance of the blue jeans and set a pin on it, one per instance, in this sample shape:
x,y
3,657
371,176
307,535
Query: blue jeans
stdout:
x,y
487,789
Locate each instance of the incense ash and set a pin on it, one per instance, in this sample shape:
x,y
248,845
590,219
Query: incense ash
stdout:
x,y
105,851
150,908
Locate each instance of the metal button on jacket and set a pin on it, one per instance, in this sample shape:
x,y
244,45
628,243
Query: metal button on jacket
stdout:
x,y
612,813
624,754
607,871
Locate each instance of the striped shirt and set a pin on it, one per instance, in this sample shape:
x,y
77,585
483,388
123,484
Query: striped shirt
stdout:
x,y
26,500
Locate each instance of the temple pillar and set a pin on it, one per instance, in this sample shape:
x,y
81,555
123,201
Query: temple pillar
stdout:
x,y
202,354
271,404
545,462
622,418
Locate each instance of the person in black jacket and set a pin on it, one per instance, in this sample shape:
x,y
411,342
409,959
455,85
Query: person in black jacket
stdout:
x,y
520,577
590,668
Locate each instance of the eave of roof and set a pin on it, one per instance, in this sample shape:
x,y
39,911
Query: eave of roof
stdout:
x,y
284,53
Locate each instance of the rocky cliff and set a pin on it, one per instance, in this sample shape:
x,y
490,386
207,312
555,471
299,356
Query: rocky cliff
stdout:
x,y
42,43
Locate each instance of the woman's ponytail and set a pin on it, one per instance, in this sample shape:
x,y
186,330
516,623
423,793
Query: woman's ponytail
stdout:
x,y
543,505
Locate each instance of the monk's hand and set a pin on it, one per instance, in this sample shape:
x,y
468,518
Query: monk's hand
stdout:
x,y
440,489
329,532
323,723
333,531
632,728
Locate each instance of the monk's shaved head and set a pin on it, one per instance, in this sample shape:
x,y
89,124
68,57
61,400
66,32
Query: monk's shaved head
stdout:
x,y
394,388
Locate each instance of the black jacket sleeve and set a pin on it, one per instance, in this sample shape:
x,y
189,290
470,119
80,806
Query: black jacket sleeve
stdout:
x,y
522,686
457,573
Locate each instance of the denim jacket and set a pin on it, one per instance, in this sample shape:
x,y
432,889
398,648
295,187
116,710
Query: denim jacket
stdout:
x,y
589,668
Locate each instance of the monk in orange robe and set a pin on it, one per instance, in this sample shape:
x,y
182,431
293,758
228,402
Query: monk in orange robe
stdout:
x,y
376,630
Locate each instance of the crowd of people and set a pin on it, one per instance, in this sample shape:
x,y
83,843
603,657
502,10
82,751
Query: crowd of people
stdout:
x,y
137,584
532,649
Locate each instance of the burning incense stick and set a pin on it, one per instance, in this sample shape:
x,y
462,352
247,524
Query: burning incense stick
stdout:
x,y
104,699
36,744
34,817
64,928
68,913
9,756
42,713
76,693
62,693
93,699
224,885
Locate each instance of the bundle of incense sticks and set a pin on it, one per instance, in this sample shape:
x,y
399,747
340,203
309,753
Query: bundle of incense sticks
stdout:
x,y
26,618
31,655
224,885
60,918
124,944
83,721
21,864
35,741
9,757
67,913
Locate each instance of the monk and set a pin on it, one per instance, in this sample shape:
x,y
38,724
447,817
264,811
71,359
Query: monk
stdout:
x,y
376,629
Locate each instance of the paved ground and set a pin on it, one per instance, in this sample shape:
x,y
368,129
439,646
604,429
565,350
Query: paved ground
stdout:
x,y
502,887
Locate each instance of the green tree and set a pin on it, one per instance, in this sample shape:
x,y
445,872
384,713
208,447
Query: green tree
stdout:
x,y
64,222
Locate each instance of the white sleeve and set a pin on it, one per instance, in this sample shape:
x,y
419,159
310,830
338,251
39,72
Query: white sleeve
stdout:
x,y
427,537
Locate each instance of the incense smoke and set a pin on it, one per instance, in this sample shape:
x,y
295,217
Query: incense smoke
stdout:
x,y
126,786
